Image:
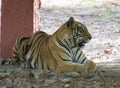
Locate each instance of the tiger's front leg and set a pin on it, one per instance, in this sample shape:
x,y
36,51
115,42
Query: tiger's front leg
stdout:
x,y
65,64
70,67
90,66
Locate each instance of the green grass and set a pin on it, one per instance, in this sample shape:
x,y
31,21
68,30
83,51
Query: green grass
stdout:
x,y
108,13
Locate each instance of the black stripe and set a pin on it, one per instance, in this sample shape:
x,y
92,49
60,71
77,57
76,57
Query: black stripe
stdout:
x,y
42,66
70,41
35,63
36,60
29,63
78,57
74,39
77,51
39,39
16,57
61,43
15,53
35,40
27,49
44,40
66,42
23,49
24,38
32,54
48,67
42,62
16,48
83,60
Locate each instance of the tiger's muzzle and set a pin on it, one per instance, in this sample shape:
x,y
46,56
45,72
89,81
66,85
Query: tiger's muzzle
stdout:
x,y
83,42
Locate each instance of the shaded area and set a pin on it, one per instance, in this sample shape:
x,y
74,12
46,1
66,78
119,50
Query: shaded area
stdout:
x,y
15,77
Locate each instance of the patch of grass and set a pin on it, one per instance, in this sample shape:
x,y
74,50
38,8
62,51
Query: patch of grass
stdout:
x,y
108,13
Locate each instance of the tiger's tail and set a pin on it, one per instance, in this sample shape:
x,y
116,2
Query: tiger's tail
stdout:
x,y
7,62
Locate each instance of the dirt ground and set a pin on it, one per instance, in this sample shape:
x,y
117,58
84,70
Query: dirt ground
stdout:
x,y
103,22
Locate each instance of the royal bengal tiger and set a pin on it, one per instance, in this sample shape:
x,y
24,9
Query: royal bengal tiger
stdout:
x,y
60,52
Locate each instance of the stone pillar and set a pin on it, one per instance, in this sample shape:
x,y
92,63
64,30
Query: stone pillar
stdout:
x,y
17,18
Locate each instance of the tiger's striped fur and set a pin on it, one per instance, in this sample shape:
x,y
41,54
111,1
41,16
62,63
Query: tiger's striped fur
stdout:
x,y
59,52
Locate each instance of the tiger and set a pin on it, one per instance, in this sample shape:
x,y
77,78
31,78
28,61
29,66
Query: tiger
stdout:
x,y
60,51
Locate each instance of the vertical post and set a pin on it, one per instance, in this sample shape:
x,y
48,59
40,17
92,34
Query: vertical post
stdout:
x,y
36,13
17,18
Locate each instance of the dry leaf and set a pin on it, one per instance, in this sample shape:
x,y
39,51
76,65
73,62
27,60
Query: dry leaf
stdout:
x,y
107,51
26,74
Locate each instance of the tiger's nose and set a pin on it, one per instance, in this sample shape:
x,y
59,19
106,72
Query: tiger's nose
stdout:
x,y
90,37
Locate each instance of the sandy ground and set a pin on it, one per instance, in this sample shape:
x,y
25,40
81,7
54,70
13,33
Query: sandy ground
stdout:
x,y
103,22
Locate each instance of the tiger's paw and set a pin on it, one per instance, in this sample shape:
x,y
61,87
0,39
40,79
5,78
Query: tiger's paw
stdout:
x,y
92,70
96,73
4,62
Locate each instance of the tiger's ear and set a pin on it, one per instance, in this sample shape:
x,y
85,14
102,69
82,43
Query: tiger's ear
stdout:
x,y
70,22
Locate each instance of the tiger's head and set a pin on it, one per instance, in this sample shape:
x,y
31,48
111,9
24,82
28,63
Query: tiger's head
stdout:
x,y
79,32
74,32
